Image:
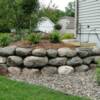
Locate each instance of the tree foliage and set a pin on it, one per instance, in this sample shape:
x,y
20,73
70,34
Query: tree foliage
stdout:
x,y
70,10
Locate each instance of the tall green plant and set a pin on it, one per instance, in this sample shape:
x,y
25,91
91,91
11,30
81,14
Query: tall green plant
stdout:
x,y
55,37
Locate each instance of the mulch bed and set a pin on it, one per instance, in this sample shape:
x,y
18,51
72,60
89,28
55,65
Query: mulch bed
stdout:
x,y
43,44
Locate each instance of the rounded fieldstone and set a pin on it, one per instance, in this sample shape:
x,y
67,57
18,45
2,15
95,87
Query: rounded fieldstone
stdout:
x,y
14,61
75,61
33,61
82,53
23,51
7,51
96,51
39,52
66,52
14,71
65,70
3,60
3,70
82,68
49,70
52,53
58,61
97,59
30,73
88,60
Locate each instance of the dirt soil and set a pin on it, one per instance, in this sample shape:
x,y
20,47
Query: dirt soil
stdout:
x,y
43,44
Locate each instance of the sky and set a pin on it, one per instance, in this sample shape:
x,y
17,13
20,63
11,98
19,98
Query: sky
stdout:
x,y
60,4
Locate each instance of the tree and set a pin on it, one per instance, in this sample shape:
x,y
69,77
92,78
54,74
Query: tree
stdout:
x,y
51,13
70,10
18,14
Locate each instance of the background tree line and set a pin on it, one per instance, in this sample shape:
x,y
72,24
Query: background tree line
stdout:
x,y
24,14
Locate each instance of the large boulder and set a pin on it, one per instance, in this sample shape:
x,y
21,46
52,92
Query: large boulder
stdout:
x,y
52,53
96,51
29,73
7,51
65,70
66,52
14,71
3,60
97,59
39,52
82,68
88,60
49,70
14,61
23,51
33,61
75,61
3,69
58,61
82,52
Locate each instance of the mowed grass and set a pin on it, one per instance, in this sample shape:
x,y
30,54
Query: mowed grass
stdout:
x,y
12,90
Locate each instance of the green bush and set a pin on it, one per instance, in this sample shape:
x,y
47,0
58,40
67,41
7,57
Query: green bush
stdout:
x,y
68,36
57,27
34,38
5,39
55,37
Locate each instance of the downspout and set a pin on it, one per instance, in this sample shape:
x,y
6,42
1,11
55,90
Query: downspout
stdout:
x,y
76,17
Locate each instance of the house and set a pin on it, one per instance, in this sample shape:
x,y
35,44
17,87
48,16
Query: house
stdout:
x,y
88,21
67,24
45,25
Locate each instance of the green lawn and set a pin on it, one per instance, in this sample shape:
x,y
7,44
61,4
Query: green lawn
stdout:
x,y
12,90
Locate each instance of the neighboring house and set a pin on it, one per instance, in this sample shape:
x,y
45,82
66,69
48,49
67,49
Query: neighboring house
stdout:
x,y
67,24
88,20
45,25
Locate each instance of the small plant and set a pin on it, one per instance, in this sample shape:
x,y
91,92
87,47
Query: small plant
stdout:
x,y
57,27
68,36
5,39
34,38
55,37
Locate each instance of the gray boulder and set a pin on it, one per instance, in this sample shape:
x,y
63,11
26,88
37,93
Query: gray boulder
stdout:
x,y
33,61
3,60
52,53
14,71
96,51
14,61
29,73
39,52
7,51
49,70
82,52
65,70
23,51
88,60
75,61
97,59
58,61
66,52
3,69
82,68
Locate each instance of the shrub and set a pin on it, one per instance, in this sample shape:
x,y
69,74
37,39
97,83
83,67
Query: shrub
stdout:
x,y
34,38
57,27
55,37
5,39
68,36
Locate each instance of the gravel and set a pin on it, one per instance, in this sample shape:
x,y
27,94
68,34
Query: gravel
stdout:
x,y
79,83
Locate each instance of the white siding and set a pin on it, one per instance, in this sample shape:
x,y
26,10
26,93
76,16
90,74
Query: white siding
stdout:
x,y
89,15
